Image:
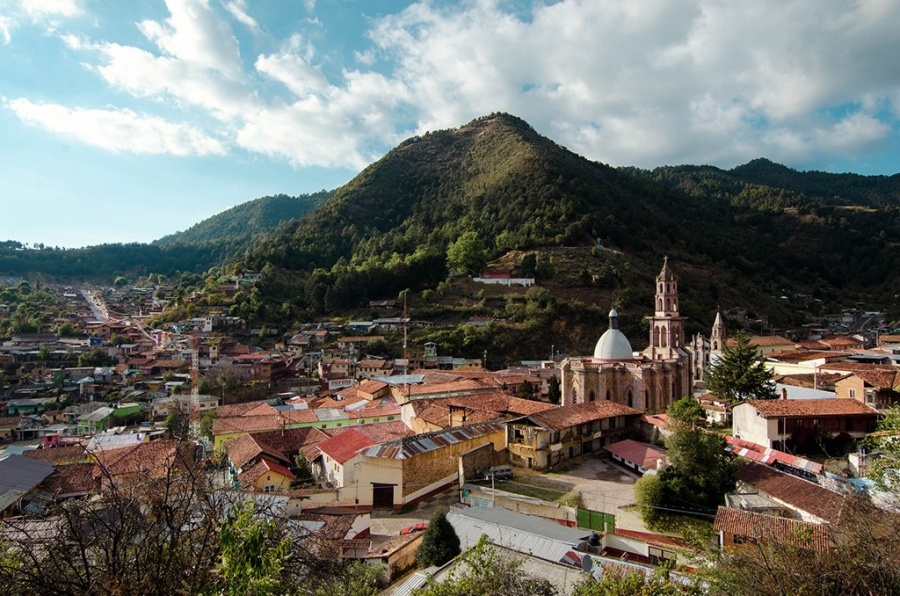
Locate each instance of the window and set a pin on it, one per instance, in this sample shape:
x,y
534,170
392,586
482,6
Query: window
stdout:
x,y
269,488
853,394
391,417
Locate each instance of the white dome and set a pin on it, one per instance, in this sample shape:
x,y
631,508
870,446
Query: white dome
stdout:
x,y
613,345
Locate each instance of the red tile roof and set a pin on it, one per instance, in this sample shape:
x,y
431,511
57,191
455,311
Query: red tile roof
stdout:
x,y
795,408
650,538
247,424
244,449
68,454
263,466
384,431
636,452
769,528
345,445
796,492
567,416
71,480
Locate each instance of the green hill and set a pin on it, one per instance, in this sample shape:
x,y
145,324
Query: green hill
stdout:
x,y
389,228
246,219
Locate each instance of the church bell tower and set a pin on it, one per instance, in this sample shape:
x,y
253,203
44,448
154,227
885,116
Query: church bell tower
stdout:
x,y
666,324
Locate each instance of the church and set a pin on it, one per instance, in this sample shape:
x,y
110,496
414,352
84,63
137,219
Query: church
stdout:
x,y
650,380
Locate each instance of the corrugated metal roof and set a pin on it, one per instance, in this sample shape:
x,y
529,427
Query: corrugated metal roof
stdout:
x,y
329,414
409,447
18,475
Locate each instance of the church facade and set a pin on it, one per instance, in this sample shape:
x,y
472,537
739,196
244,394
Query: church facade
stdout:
x,y
650,380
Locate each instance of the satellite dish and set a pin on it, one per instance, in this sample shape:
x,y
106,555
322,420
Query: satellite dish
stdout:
x,y
587,563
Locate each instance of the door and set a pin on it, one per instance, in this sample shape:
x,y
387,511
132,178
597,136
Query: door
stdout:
x,y
382,495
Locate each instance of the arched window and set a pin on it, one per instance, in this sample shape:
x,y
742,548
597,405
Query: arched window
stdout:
x,y
630,399
647,405
592,396
663,339
660,305
608,395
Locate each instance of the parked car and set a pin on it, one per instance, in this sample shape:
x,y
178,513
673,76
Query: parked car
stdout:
x,y
498,473
416,528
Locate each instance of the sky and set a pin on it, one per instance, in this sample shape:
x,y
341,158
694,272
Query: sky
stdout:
x,y
124,121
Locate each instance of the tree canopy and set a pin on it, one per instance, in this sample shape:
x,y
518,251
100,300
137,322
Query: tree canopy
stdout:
x,y
700,472
439,542
741,373
467,254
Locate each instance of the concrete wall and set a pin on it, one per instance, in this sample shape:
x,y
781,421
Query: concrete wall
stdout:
x,y
748,425
475,460
480,496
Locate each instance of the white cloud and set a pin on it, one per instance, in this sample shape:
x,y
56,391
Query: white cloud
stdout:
x,y
39,9
293,68
117,130
238,9
654,82
6,26
649,83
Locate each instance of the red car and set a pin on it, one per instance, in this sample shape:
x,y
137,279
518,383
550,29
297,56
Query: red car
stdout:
x,y
416,528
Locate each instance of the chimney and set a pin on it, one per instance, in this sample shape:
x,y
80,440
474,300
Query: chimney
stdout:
x,y
783,393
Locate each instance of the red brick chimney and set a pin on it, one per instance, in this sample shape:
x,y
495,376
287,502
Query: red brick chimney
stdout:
x,y
783,393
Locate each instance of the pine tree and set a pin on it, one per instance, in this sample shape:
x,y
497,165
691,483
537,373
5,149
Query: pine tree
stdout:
x,y
741,373
439,542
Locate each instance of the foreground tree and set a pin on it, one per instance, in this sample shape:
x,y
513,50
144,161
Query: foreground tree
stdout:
x,y
439,542
484,571
741,373
885,470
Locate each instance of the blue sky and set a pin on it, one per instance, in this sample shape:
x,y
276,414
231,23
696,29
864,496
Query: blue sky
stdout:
x,y
124,121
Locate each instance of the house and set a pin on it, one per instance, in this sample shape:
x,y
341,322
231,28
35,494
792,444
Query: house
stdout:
x,y
428,415
877,388
403,471
8,426
737,527
340,454
718,410
96,421
340,457
805,500
770,422
545,439
637,456
373,367
767,344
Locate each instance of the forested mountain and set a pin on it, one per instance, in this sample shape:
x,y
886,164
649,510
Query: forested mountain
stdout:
x,y
211,242
246,219
389,228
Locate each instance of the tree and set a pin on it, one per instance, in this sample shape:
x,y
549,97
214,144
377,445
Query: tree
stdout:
x,y
885,470
525,390
700,472
484,571
554,391
439,542
206,424
178,423
467,254
686,411
741,373
253,552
